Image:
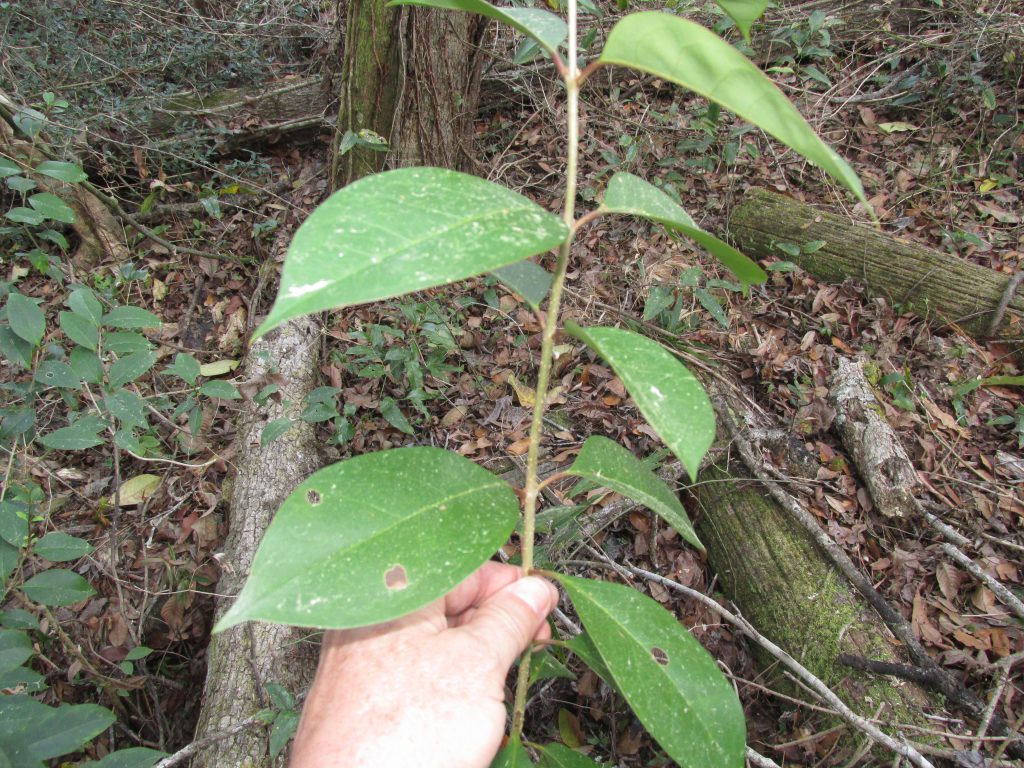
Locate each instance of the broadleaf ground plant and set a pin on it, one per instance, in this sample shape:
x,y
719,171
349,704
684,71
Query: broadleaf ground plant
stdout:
x,y
372,529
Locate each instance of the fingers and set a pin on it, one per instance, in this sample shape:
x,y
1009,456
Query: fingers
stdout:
x,y
484,582
509,620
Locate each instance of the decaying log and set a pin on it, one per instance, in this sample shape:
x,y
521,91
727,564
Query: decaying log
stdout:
x,y
882,462
243,659
941,288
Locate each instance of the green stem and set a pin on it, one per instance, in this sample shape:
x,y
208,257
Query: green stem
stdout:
x,y
533,485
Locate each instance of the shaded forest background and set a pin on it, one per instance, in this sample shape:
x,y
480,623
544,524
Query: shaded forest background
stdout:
x,y
205,130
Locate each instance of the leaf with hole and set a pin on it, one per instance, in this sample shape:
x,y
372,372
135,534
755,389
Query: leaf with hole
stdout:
x,y
610,465
743,13
683,52
543,26
62,171
57,587
52,207
667,394
130,368
26,318
632,195
672,684
406,230
380,535
58,547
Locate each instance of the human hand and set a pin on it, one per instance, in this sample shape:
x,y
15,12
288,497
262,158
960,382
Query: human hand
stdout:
x,y
425,690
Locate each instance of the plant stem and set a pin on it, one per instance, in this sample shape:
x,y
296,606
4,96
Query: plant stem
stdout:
x,y
533,485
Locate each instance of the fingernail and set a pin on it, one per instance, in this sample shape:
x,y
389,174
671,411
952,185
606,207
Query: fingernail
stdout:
x,y
534,592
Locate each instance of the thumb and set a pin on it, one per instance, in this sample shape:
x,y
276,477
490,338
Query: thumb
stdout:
x,y
508,620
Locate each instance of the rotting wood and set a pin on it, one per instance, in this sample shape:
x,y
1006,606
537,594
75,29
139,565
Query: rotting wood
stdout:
x,y
244,659
939,287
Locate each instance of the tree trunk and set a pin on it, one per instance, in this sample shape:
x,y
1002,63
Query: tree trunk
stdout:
x,y
789,591
412,76
939,287
243,659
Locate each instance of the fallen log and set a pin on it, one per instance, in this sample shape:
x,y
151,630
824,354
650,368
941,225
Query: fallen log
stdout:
x,y
939,287
242,660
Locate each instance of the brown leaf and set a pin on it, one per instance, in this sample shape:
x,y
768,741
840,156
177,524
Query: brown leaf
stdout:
x,y
949,579
920,623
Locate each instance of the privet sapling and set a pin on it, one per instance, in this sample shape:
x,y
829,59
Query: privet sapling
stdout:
x,y
380,535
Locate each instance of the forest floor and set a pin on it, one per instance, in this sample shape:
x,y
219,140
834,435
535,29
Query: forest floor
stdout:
x,y
926,109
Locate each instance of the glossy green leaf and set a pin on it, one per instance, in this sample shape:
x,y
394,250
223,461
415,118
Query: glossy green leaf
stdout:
x,y
133,757
57,587
224,390
743,13
667,394
131,318
560,756
543,26
672,684
512,756
632,195
15,649
84,433
378,536
406,230
130,368
529,280
689,55
55,373
52,207
26,318
78,328
610,465
58,547
57,169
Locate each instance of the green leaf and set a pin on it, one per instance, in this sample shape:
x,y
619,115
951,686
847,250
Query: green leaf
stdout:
x,y
125,342
630,194
130,367
83,301
689,55
133,757
672,684
57,587
393,415
8,168
282,731
15,649
185,367
610,465
512,756
15,349
22,215
86,365
64,729
744,13
280,696
545,667
18,618
543,26
406,230
380,535
225,390
667,394
711,304
217,367
274,429
62,171
79,329
52,207
58,547
1003,381
26,318
21,184
84,433
131,318
529,280
560,756
128,408
9,556
54,373
14,520
587,652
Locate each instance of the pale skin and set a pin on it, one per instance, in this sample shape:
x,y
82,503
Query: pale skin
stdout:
x,y
426,689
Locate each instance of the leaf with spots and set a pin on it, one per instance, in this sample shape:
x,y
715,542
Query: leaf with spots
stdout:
x,y
672,684
667,394
374,538
608,464
406,230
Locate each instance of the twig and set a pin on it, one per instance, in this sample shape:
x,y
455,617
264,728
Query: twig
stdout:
x,y
1004,595
1004,665
1004,302
190,749
756,758
925,677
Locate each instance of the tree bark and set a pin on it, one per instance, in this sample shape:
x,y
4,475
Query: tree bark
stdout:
x,y
939,287
243,659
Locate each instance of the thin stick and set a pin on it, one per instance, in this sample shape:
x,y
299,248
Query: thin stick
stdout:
x,y
188,750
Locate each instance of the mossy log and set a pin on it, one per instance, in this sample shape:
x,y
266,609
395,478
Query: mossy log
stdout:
x,y
939,287
234,116
772,570
242,660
